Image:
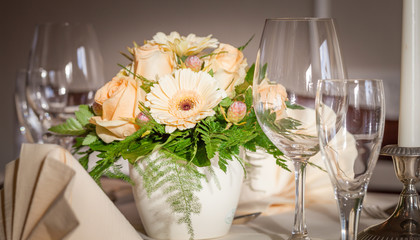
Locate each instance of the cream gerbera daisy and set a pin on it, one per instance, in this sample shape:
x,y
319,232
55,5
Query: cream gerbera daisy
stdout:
x,y
163,39
184,46
181,100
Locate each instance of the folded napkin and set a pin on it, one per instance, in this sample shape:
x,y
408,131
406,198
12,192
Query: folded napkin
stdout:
x,y
271,189
47,194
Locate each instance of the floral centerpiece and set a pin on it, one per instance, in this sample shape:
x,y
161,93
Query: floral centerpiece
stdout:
x,y
188,98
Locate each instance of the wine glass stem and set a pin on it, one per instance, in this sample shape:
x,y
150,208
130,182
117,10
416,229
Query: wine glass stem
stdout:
x,y
349,215
299,228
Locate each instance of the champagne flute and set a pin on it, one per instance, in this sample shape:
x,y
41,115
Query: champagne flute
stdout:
x,y
350,121
65,70
293,54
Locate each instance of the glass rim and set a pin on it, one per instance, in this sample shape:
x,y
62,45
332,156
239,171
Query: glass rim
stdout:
x,y
350,80
62,24
303,19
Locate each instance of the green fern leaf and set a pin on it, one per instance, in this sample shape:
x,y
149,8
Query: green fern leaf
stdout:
x,y
84,114
249,77
89,139
115,172
294,106
212,135
248,98
70,127
179,182
226,102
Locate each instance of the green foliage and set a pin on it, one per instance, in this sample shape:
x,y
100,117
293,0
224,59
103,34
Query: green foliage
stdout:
x,y
146,83
294,106
75,126
241,48
226,102
211,72
84,114
115,172
90,138
241,88
212,136
110,153
70,127
263,142
249,77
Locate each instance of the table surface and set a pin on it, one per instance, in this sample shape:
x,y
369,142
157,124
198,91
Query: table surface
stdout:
x,y
322,219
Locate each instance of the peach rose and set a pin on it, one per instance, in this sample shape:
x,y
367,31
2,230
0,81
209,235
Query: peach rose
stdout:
x,y
228,67
119,100
273,95
151,62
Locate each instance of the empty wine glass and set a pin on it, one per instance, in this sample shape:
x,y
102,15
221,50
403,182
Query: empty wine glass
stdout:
x,y
350,121
65,70
27,127
293,54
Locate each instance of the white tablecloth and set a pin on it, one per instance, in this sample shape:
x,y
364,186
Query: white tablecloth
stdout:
x,y
322,219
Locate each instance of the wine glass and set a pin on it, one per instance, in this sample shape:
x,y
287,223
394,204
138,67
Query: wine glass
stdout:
x,y
65,70
27,127
350,121
293,54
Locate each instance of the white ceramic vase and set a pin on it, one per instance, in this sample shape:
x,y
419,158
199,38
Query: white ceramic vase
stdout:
x,y
218,204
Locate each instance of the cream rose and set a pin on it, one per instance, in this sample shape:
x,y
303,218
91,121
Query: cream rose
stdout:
x,y
119,100
151,62
228,66
274,96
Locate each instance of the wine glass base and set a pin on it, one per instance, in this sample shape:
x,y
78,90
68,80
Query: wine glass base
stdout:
x,y
299,237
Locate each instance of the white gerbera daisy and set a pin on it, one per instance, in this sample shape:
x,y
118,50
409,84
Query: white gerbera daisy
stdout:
x,y
181,100
184,46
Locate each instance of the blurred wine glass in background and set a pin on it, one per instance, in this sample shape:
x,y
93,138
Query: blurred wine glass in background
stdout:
x,y
65,69
28,128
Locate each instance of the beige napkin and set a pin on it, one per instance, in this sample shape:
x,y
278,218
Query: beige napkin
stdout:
x,y
48,195
270,189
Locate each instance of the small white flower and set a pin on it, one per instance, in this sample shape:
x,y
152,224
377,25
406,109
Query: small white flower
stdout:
x,y
181,100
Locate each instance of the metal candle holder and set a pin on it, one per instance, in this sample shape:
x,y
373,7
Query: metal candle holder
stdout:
x,y
404,223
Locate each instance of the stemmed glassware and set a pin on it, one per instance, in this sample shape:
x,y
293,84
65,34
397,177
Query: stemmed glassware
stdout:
x,y
28,127
65,70
350,121
293,54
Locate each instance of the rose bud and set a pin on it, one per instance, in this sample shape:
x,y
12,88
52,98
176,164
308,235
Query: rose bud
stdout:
x,y
236,111
142,118
97,109
194,63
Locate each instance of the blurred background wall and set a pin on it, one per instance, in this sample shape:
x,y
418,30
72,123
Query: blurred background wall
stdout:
x,y
369,31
